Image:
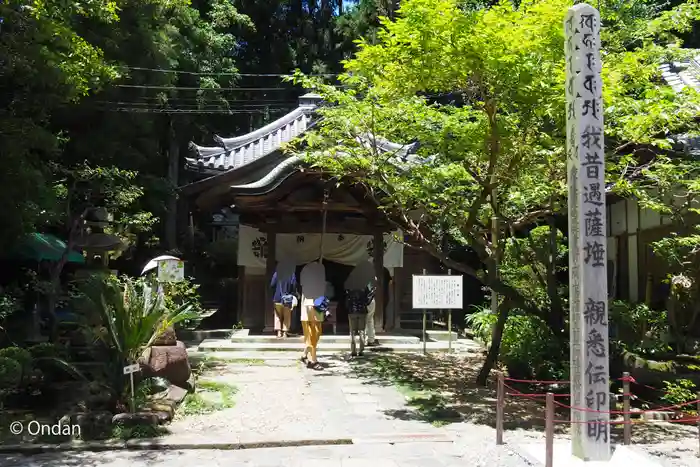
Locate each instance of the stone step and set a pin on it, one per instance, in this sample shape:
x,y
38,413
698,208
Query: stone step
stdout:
x,y
224,345
325,339
187,335
441,336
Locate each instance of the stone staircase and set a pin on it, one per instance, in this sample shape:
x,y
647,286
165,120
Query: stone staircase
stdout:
x,y
242,342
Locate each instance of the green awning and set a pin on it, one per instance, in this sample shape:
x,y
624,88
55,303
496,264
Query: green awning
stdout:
x,y
46,247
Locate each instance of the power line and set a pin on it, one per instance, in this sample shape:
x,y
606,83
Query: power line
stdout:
x,y
187,88
142,104
194,73
216,99
186,111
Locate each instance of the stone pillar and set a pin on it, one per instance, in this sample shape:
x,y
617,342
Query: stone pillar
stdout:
x,y
379,299
590,375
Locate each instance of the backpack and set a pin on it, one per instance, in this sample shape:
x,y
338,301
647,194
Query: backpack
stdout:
x,y
288,300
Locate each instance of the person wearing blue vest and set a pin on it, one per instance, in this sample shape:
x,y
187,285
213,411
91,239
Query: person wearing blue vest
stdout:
x,y
284,281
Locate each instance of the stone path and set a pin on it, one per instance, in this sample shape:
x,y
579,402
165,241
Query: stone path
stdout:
x,y
283,400
374,455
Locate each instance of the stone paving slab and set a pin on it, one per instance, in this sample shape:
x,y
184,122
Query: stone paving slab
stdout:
x,y
291,401
379,455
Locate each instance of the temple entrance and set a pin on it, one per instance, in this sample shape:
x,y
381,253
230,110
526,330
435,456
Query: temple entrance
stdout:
x,y
336,275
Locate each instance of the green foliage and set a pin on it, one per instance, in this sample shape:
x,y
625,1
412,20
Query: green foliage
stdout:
x,y
679,392
210,396
46,350
133,316
21,356
10,375
528,347
10,303
177,294
525,261
481,322
639,328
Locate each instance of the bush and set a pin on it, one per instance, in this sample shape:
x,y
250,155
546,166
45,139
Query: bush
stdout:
x,y
680,392
10,374
178,294
46,350
21,356
638,328
528,347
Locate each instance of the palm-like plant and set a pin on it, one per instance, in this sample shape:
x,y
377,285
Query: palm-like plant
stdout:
x,y
133,316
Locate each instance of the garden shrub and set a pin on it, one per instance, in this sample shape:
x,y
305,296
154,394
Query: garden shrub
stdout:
x,y
528,347
679,392
638,328
21,356
10,374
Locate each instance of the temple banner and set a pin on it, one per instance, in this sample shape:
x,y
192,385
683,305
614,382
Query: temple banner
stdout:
x,y
304,248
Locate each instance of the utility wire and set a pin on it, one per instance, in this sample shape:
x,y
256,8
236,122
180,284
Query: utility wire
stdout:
x,y
188,88
185,111
216,99
146,104
194,73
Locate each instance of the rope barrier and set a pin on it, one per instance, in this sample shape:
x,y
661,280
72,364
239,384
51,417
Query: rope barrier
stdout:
x,y
626,421
622,412
535,381
585,409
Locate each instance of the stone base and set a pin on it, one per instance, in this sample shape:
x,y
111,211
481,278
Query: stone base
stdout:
x,y
623,456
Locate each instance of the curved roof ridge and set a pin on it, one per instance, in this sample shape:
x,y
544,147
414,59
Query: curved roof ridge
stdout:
x,y
242,150
238,141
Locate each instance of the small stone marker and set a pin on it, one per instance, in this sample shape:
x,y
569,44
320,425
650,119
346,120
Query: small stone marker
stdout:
x,y
588,289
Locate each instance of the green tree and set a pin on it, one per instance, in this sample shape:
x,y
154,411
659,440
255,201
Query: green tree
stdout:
x,y
498,151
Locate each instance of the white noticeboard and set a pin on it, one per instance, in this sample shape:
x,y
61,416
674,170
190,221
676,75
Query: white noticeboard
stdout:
x,y
129,369
171,270
437,292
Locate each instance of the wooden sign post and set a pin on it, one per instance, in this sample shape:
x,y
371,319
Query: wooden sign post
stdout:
x,y
130,370
435,293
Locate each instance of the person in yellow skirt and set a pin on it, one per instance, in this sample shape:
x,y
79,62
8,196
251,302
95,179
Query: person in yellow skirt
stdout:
x,y
314,306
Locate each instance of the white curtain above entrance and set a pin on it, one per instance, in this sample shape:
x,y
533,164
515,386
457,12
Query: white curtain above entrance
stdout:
x,y
304,248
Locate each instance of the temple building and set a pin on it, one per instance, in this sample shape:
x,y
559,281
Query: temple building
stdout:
x,y
286,210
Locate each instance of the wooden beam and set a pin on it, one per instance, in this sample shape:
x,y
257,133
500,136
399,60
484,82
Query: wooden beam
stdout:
x,y
274,207
378,257
270,266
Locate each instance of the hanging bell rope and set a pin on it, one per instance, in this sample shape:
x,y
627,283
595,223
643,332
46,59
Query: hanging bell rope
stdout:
x,y
323,226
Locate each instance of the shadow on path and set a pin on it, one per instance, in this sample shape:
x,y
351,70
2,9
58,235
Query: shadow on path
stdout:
x,y
441,389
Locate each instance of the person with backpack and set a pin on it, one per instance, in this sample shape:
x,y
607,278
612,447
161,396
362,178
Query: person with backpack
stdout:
x,y
284,281
314,309
360,288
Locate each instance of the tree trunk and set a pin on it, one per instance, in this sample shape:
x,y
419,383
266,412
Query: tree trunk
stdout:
x,y
494,350
173,178
55,274
556,313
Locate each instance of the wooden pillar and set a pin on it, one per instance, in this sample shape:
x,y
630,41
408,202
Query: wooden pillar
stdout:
x,y
397,285
378,256
270,266
240,305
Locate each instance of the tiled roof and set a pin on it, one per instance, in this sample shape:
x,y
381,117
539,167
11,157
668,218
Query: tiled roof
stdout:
x,y
678,75
232,153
